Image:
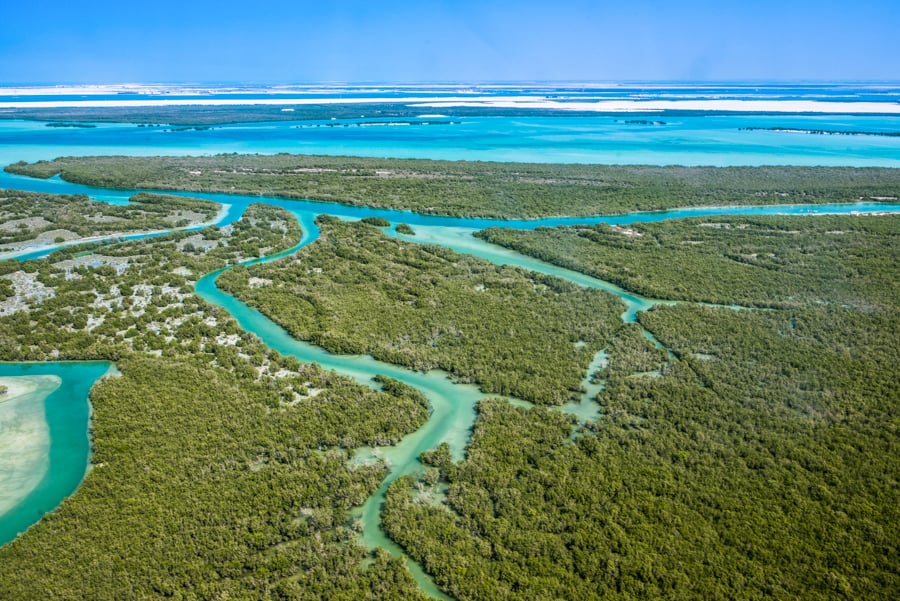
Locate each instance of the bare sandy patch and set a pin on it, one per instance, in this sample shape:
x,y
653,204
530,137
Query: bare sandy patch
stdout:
x,y
24,436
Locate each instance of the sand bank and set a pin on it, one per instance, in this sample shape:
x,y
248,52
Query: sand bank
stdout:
x,y
643,106
16,387
519,102
24,436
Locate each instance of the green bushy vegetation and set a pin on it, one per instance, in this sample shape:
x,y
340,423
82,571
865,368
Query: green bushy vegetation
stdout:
x,y
376,221
355,290
24,216
761,465
772,261
476,189
220,467
753,457
758,461
200,491
6,289
133,289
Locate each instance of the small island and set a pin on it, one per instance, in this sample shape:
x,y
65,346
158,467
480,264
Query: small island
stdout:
x,y
76,125
823,132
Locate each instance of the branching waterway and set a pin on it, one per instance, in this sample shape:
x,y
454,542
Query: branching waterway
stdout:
x,y
452,404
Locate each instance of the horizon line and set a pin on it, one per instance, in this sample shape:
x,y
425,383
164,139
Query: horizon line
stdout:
x,y
450,82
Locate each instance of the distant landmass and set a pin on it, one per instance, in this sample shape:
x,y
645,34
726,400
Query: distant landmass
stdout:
x,y
823,132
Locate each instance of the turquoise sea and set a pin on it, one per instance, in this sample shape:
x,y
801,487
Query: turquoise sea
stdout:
x,y
710,139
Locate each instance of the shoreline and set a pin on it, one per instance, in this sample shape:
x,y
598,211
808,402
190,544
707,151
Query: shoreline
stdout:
x,y
18,386
488,102
27,250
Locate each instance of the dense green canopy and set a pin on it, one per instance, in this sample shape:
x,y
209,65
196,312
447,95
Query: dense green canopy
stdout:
x,y
474,188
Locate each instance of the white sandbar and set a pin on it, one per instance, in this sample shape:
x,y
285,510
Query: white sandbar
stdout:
x,y
24,436
643,106
521,102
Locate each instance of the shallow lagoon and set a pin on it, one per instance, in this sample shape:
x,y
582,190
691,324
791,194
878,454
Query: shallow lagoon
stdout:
x,y
50,423
710,139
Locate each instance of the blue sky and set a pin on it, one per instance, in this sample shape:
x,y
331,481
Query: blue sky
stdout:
x,y
279,41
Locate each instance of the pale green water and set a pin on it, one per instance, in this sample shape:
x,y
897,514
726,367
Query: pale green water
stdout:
x,y
588,409
452,404
25,440
44,446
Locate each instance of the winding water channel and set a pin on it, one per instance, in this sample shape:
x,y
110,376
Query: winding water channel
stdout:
x,y
452,404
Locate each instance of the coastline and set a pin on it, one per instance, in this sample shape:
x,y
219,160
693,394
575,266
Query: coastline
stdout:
x,y
514,102
25,446
27,250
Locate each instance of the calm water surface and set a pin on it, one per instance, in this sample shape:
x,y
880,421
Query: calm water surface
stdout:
x,y
713,139
62,435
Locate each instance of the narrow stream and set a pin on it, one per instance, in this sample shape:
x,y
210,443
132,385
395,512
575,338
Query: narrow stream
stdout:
x,y
452,404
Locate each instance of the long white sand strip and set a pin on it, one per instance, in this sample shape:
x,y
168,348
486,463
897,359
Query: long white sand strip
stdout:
x,y
642,106
522,102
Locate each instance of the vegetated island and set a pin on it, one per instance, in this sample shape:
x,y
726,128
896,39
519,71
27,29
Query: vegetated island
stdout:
x,y
220,468
76,125
774,261
751,464
477,189
221,115
823,132
356,291
32,220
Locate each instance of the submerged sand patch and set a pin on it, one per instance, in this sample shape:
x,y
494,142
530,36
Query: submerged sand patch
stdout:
x,y
24,436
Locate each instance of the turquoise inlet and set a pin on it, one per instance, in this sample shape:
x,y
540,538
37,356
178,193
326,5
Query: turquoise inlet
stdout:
x,y
44,445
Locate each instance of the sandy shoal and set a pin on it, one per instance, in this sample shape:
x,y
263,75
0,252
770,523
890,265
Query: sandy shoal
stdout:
x,y
520,102
24,436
